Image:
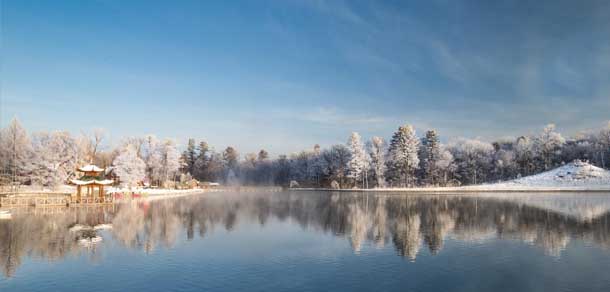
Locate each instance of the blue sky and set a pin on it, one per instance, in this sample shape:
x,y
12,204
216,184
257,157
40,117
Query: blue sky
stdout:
x,y
286,74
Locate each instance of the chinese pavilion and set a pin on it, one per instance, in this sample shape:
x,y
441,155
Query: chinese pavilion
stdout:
x,y
91,184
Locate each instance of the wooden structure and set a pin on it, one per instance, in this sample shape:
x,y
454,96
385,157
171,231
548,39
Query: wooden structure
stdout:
x,y
34,199
90,187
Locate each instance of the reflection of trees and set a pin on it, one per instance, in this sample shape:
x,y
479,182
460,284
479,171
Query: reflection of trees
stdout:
x,y
43,235
407,238
408,221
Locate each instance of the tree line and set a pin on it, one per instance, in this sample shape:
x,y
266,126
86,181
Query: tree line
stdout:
x,y
406,160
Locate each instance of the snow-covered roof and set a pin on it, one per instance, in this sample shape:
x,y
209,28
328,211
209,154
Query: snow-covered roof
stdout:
x,y
91,182
90,168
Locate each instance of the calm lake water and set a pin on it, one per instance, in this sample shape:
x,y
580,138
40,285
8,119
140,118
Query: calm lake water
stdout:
x,y
315,241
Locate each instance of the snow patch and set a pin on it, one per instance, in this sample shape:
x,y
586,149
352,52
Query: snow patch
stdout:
x,y
574,174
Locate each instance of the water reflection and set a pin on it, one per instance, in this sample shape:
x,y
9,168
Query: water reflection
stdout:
x,y
409,223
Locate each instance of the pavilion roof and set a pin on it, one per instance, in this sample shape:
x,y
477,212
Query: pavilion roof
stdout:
x,y
90,168
79,182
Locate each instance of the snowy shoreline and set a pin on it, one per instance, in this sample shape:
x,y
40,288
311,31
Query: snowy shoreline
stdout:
x,y
576,176
469,189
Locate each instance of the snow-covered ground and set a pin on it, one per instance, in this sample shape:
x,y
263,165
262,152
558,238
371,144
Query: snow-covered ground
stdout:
x,y
575,175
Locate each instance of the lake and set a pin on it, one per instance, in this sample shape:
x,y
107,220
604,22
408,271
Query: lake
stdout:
x,y
314,241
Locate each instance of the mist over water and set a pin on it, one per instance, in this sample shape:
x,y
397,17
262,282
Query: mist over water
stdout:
x,y
316,241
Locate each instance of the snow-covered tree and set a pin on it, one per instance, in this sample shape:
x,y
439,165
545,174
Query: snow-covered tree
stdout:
x,y
548,145
170,159
402,156
431,155
15,153
55,158
316,166
151,154
377,153
524,156
473,158
446,166
336,159
604,145
503,161
129,167
358,164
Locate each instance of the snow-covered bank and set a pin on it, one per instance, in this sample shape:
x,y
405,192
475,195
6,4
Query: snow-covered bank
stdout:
x,y
575,176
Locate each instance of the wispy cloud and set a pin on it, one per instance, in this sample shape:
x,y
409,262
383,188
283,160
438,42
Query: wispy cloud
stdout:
x,y
333,116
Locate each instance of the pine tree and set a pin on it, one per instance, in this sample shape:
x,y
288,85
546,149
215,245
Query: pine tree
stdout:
x,y
230,157
201,171
403,159
431,152
189,156
358,164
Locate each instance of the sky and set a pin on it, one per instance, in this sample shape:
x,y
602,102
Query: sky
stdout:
x,y
284,75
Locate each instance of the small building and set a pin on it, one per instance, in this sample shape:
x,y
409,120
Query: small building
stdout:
x,y
91,184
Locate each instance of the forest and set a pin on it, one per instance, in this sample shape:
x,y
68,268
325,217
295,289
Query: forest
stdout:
x,y
49,159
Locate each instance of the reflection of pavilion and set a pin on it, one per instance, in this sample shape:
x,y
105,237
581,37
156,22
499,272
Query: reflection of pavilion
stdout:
x,y
91,185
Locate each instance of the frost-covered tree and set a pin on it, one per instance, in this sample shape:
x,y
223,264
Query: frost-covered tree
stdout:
x,y
603,141
336,159
446,166
503,161
548,145
129,167
15,152
358,164
151,154
55,158
524,156
473,158
430,156
170,159
317,167
402,156
377,153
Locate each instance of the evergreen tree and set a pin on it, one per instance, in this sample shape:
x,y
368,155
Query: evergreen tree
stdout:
x,y
431,156
189,156
358,163
201,171
402,154
231,159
